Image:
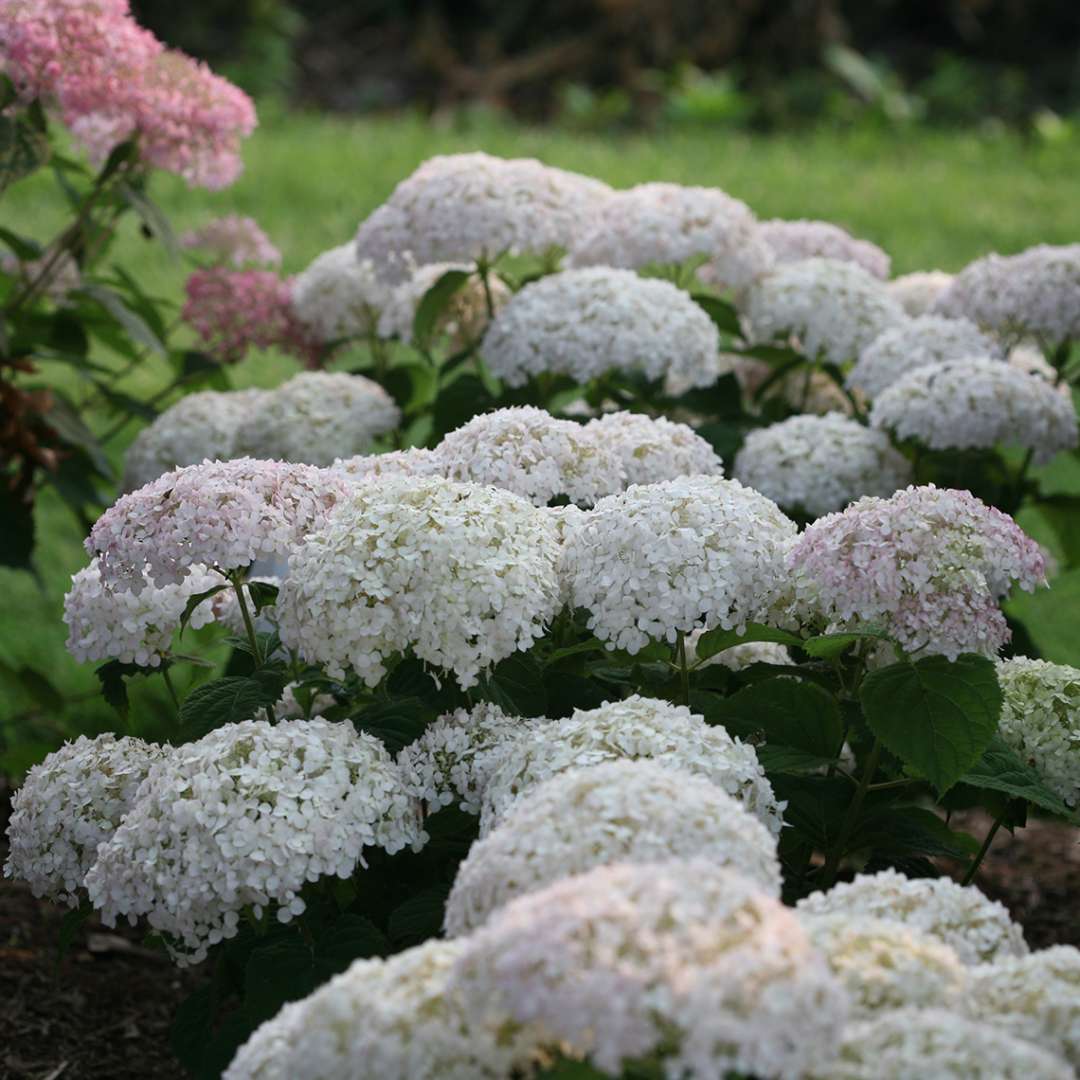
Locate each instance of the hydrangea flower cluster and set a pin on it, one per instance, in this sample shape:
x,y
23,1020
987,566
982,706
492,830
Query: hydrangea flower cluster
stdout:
x,y
1040,720
317,416
654,449
223,514
475,207
199,426
978,404
814,465
636,728
793,241
833,309
886,964
68,805
918,293
527,451
234,240
977,929
617,812
464,319
244,817
687,961
916,343
936,1042
666,558
1033,294
393,1019
928,566
232,311
585,323
741,656
1034,997
453,760
660,224
134,628
338,296
462,575
416,461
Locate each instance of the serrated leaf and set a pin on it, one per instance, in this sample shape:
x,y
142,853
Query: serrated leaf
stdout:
x,y
937,716
434,302
830,646
229,700
396,723
195,600
277,972
717,641
113,686
516,685
816,806
1001,769
912,830
787,711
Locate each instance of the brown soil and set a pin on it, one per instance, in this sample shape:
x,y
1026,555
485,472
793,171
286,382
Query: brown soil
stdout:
x,y
103,1012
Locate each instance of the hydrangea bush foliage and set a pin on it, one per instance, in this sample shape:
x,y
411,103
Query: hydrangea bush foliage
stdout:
x,y
623,604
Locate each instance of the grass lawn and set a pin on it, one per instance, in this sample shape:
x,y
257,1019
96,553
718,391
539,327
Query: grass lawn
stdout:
x,y
931,200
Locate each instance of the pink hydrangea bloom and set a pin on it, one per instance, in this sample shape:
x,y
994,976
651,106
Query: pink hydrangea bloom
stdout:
x,y
928,566
224,514
233,239
232,311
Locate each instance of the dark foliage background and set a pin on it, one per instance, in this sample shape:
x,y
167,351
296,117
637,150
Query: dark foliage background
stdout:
x,y
954,61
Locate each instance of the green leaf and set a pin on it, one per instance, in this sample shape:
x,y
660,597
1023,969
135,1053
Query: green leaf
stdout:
x,y
351,937
937,716
202,1039
1001,769
72,923
912,830
279,971
830,646
64,418
458,402
195,600
816,806
262,594
22,150
516,685
787,711
776,355
420,917
434,303
717,641
113,687
135,325
224,701
17,535
720,311
152,216
24,247
397,723
788,759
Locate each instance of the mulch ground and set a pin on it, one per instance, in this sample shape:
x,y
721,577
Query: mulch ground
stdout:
x,y
103,1012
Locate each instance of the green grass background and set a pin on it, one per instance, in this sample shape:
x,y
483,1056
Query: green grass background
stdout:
x,y
932,200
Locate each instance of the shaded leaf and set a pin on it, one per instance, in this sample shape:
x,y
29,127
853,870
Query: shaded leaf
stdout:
x,y
434,302
229,700
516,685
722,313
717,641
1001,769
420,917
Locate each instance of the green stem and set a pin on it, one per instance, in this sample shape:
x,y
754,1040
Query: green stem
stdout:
x,y
832,862
969,877
169,685
1021,477
680,646
489,300
249,625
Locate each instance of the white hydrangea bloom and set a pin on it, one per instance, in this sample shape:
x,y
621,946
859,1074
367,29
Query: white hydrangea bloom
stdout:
x,y
70,803
917,343
1034,997
472,207
529,452
288,706
664,224
616,812
452,761
965,404
917,1044
978,929
318,416
817,464
918,293
1033,294
415,461
585,323
653,449
197,427
224,514
244,817
685,960
740,656
136,628
464,319
636,728
886,964
833,309
461,574
663,558
393,1019
793,241
339,295
1040,720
